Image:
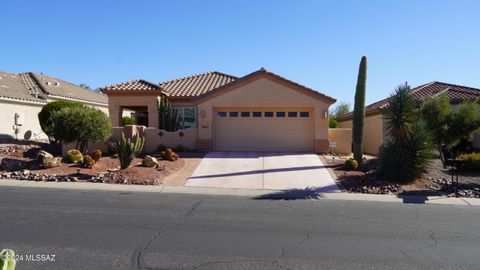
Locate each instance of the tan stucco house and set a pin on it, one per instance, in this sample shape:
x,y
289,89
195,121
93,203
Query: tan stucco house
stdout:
x,y
374,127
261,111
23,95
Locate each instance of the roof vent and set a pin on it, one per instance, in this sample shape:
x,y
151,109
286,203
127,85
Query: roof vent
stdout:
x,y
47,83
57,83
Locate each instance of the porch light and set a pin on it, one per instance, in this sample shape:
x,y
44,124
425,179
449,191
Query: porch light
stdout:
x,y
325,114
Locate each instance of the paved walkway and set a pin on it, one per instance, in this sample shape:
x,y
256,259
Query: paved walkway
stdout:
x,y
273,171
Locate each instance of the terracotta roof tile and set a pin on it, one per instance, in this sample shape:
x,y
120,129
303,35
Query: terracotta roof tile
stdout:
x,y
456,93
135,85
196,85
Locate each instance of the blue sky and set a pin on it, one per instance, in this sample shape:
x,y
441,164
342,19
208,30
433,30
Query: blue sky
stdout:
x,y
315,43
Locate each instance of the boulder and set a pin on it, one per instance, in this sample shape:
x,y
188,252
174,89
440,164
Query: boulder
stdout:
x,y
51,162
9,164
149,161
43,154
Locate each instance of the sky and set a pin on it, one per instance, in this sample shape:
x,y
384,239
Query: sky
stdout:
x,y
316,43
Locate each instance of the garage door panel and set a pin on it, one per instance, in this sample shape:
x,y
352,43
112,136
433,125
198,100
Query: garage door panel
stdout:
x,y
264,133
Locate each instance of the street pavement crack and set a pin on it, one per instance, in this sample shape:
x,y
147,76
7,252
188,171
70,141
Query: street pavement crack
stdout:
x,y
284,248
138,254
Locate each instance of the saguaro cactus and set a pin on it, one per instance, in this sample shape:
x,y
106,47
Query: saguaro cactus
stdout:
x,y
168,117
359,111
127,149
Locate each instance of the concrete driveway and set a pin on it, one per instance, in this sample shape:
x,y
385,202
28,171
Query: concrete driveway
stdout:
x,y
276,171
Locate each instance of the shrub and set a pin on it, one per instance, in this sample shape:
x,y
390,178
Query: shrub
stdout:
x,y
169,155
127,149
73,156
127,120
96,154
161,148
7,259
88,162
81,125
180,148
472,161
402,163
351,164
46,117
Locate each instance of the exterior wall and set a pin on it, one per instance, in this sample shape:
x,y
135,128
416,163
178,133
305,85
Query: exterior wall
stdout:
x,y
153,138
262,93
28,118
373,134
343,138
116,102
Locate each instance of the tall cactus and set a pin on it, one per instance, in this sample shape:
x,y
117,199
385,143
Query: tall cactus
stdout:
x,y
169,119
359,111
127,149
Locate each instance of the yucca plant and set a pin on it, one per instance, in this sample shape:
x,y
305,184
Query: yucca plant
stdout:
x,y
128,149
399,114
7,259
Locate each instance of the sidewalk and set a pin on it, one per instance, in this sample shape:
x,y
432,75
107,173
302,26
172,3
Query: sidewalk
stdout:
x,y
241,192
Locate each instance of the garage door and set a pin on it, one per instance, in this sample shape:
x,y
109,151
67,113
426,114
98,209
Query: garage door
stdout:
x,y
264,130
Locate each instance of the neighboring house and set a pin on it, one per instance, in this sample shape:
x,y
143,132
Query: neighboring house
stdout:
x,y
374,131
23,95
258,112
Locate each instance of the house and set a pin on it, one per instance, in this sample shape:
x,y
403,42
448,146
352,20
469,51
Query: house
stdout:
x,y
23,95
374,127
261,111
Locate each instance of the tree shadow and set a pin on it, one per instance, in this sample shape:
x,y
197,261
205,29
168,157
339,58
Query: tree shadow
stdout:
x,y
298,194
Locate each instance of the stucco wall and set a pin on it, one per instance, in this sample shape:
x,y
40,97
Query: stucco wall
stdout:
x,y
372,133
28,117
343,139
115,102
262,93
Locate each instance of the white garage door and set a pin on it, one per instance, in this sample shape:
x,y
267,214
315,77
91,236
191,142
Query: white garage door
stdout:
x,y
264,130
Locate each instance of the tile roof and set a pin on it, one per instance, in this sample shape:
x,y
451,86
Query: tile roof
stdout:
x,y
456,93
12,86
132,86
51,86
196,85
36,87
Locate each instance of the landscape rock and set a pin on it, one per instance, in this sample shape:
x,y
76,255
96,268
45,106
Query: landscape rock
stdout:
x,y
149,161
42,154
51,162
9,164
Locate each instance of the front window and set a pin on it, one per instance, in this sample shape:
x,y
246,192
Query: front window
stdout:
x,y
188,117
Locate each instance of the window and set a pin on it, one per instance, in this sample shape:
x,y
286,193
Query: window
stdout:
x,y
292,114
233,114
268,114
188,117
257,114
222,114
304,114
280,114
245,114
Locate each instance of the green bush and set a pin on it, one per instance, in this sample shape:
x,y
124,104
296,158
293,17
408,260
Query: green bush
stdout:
x,y
404,162
161,148
351,164
126,120
81,125
47,119
472,161
73,156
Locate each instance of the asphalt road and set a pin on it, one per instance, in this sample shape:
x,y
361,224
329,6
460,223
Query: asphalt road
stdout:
x,y
122,230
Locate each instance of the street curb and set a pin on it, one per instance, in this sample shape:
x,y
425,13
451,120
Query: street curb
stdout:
x,y
238,192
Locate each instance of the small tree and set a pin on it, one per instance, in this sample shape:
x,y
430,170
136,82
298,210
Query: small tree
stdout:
x,y
332,122
336,112
359,111
81,125
449,127
46,116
